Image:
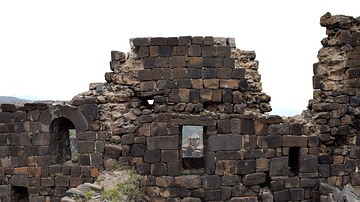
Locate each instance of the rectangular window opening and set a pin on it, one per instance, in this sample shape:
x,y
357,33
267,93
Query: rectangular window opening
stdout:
x,y
192,147
294,155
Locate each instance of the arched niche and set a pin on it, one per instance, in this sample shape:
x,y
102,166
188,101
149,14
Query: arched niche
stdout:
x,y
64,143
59,111
63,122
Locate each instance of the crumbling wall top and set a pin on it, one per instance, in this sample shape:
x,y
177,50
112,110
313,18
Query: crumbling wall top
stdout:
x,y
340,21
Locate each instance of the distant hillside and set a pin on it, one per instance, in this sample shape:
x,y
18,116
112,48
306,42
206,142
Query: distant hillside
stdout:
x,y
11,100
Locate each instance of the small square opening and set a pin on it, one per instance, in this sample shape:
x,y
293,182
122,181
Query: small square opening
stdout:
x,y
20,194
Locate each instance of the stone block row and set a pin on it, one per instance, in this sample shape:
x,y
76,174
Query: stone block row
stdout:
x,y
167,51
182,41
195,96
216,188
202,73
186,85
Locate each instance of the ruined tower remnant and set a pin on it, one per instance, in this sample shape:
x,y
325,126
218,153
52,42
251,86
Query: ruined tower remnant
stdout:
x,y
188,113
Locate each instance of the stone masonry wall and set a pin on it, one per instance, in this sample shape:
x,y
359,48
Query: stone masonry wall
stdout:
x,y
171,93
335,106
207,82
35,150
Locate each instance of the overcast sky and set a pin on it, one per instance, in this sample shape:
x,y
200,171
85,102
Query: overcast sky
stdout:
x,y
54,49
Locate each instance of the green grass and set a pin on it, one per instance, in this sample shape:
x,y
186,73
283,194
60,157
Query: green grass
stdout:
x,y
88,194
132,188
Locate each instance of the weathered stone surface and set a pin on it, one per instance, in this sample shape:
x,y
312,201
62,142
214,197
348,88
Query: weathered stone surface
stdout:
x,y
177,61
229,83
210,182
89,111
211,83
274,119
279,166
274,141
113,151
227,142
238,73
224,126
277,184
208,41
161,62
210,163
86,147
62,181
158,169
292,182
294,141
143,52
226,95
261,127
158,41
209,73
308,164
212,195
262,164
355,152
140,41
230,180
224,73
309,182
5,117
169,155
223,51
166,142
295,128
337,169
188,181
208,51
8,107
138,150
165,51
246,166
253,179
278,129
247,126
143,168
145,74
228,155
282,195
195,50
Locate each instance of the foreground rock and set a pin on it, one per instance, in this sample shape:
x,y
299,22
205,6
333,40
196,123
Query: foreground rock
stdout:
x,y
333,194
118,185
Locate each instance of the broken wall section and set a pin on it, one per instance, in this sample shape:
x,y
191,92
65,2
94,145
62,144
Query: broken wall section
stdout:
x,y
194,74
201,82
180,74
336,101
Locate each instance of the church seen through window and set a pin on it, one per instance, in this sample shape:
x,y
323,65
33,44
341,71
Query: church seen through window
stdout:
x,y
192,147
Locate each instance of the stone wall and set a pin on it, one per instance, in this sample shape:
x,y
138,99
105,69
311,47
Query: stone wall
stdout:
x,y
189,114
335,106
35,151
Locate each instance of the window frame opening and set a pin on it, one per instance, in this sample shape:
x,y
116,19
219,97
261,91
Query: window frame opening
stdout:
x,y
192,147
294,159
64,140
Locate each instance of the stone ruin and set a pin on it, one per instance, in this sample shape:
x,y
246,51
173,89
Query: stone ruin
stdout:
x,y
188,113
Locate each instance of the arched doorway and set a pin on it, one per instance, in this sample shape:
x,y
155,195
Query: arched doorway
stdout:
x,y
64,139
